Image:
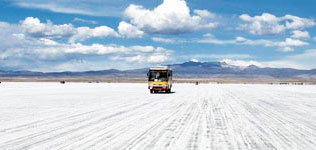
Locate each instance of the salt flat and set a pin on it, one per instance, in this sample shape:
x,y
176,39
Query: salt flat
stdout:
x,y
126,116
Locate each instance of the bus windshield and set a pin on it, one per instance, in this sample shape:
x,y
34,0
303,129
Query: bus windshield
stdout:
x,y
159,75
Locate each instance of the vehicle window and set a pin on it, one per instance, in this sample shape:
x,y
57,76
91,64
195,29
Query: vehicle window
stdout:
x,y
163,76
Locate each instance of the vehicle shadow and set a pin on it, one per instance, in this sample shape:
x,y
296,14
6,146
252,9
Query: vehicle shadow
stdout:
x,y
164,93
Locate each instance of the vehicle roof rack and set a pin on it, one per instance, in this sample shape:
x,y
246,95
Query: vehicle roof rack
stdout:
x,y
160,68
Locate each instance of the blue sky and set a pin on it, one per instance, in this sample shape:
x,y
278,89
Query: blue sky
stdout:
x,y
101,34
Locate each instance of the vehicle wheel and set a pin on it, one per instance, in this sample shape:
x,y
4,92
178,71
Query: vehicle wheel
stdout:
x,y
151,91
169,91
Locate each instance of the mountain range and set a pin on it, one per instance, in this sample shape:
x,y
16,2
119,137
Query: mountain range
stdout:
x,y
185,70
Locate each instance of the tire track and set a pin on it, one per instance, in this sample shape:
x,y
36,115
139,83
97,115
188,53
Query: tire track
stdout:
x,y
55,134
207,116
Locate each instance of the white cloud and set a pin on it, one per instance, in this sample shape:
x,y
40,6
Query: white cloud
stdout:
x,y
144,49
169,40
48,42
21,51
6,32
263,64
137,58
305,60
170,17
264,24
213,40
33,27
204,13
300,34
158,55
82,7
194,60
270,24
208,35
45,50
157,58
98,49
84,33
294,22
243,63
163,40
54,7
221,56
287,45
76,19
240,39
129,30
15,39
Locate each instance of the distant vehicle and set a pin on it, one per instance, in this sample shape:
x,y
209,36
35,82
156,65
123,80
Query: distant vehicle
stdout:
x,y
159,79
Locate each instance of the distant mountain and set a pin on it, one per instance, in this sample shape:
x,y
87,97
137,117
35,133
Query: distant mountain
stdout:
x,y
221,68
187,69
59,74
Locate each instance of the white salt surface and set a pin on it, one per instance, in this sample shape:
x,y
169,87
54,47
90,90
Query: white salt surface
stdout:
x,y
126,116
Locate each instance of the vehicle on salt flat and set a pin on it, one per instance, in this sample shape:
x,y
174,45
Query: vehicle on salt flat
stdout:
x,y
159,79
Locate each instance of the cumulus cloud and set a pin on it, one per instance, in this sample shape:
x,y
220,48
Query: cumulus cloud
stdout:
x,y
101,49
33,27
294,22
137,58
269,24
144,49
98,49
8,33
19,50
170,17
287,45
300,34
158,55
204,13
129,30
84,33
46,47
157,59
46,50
